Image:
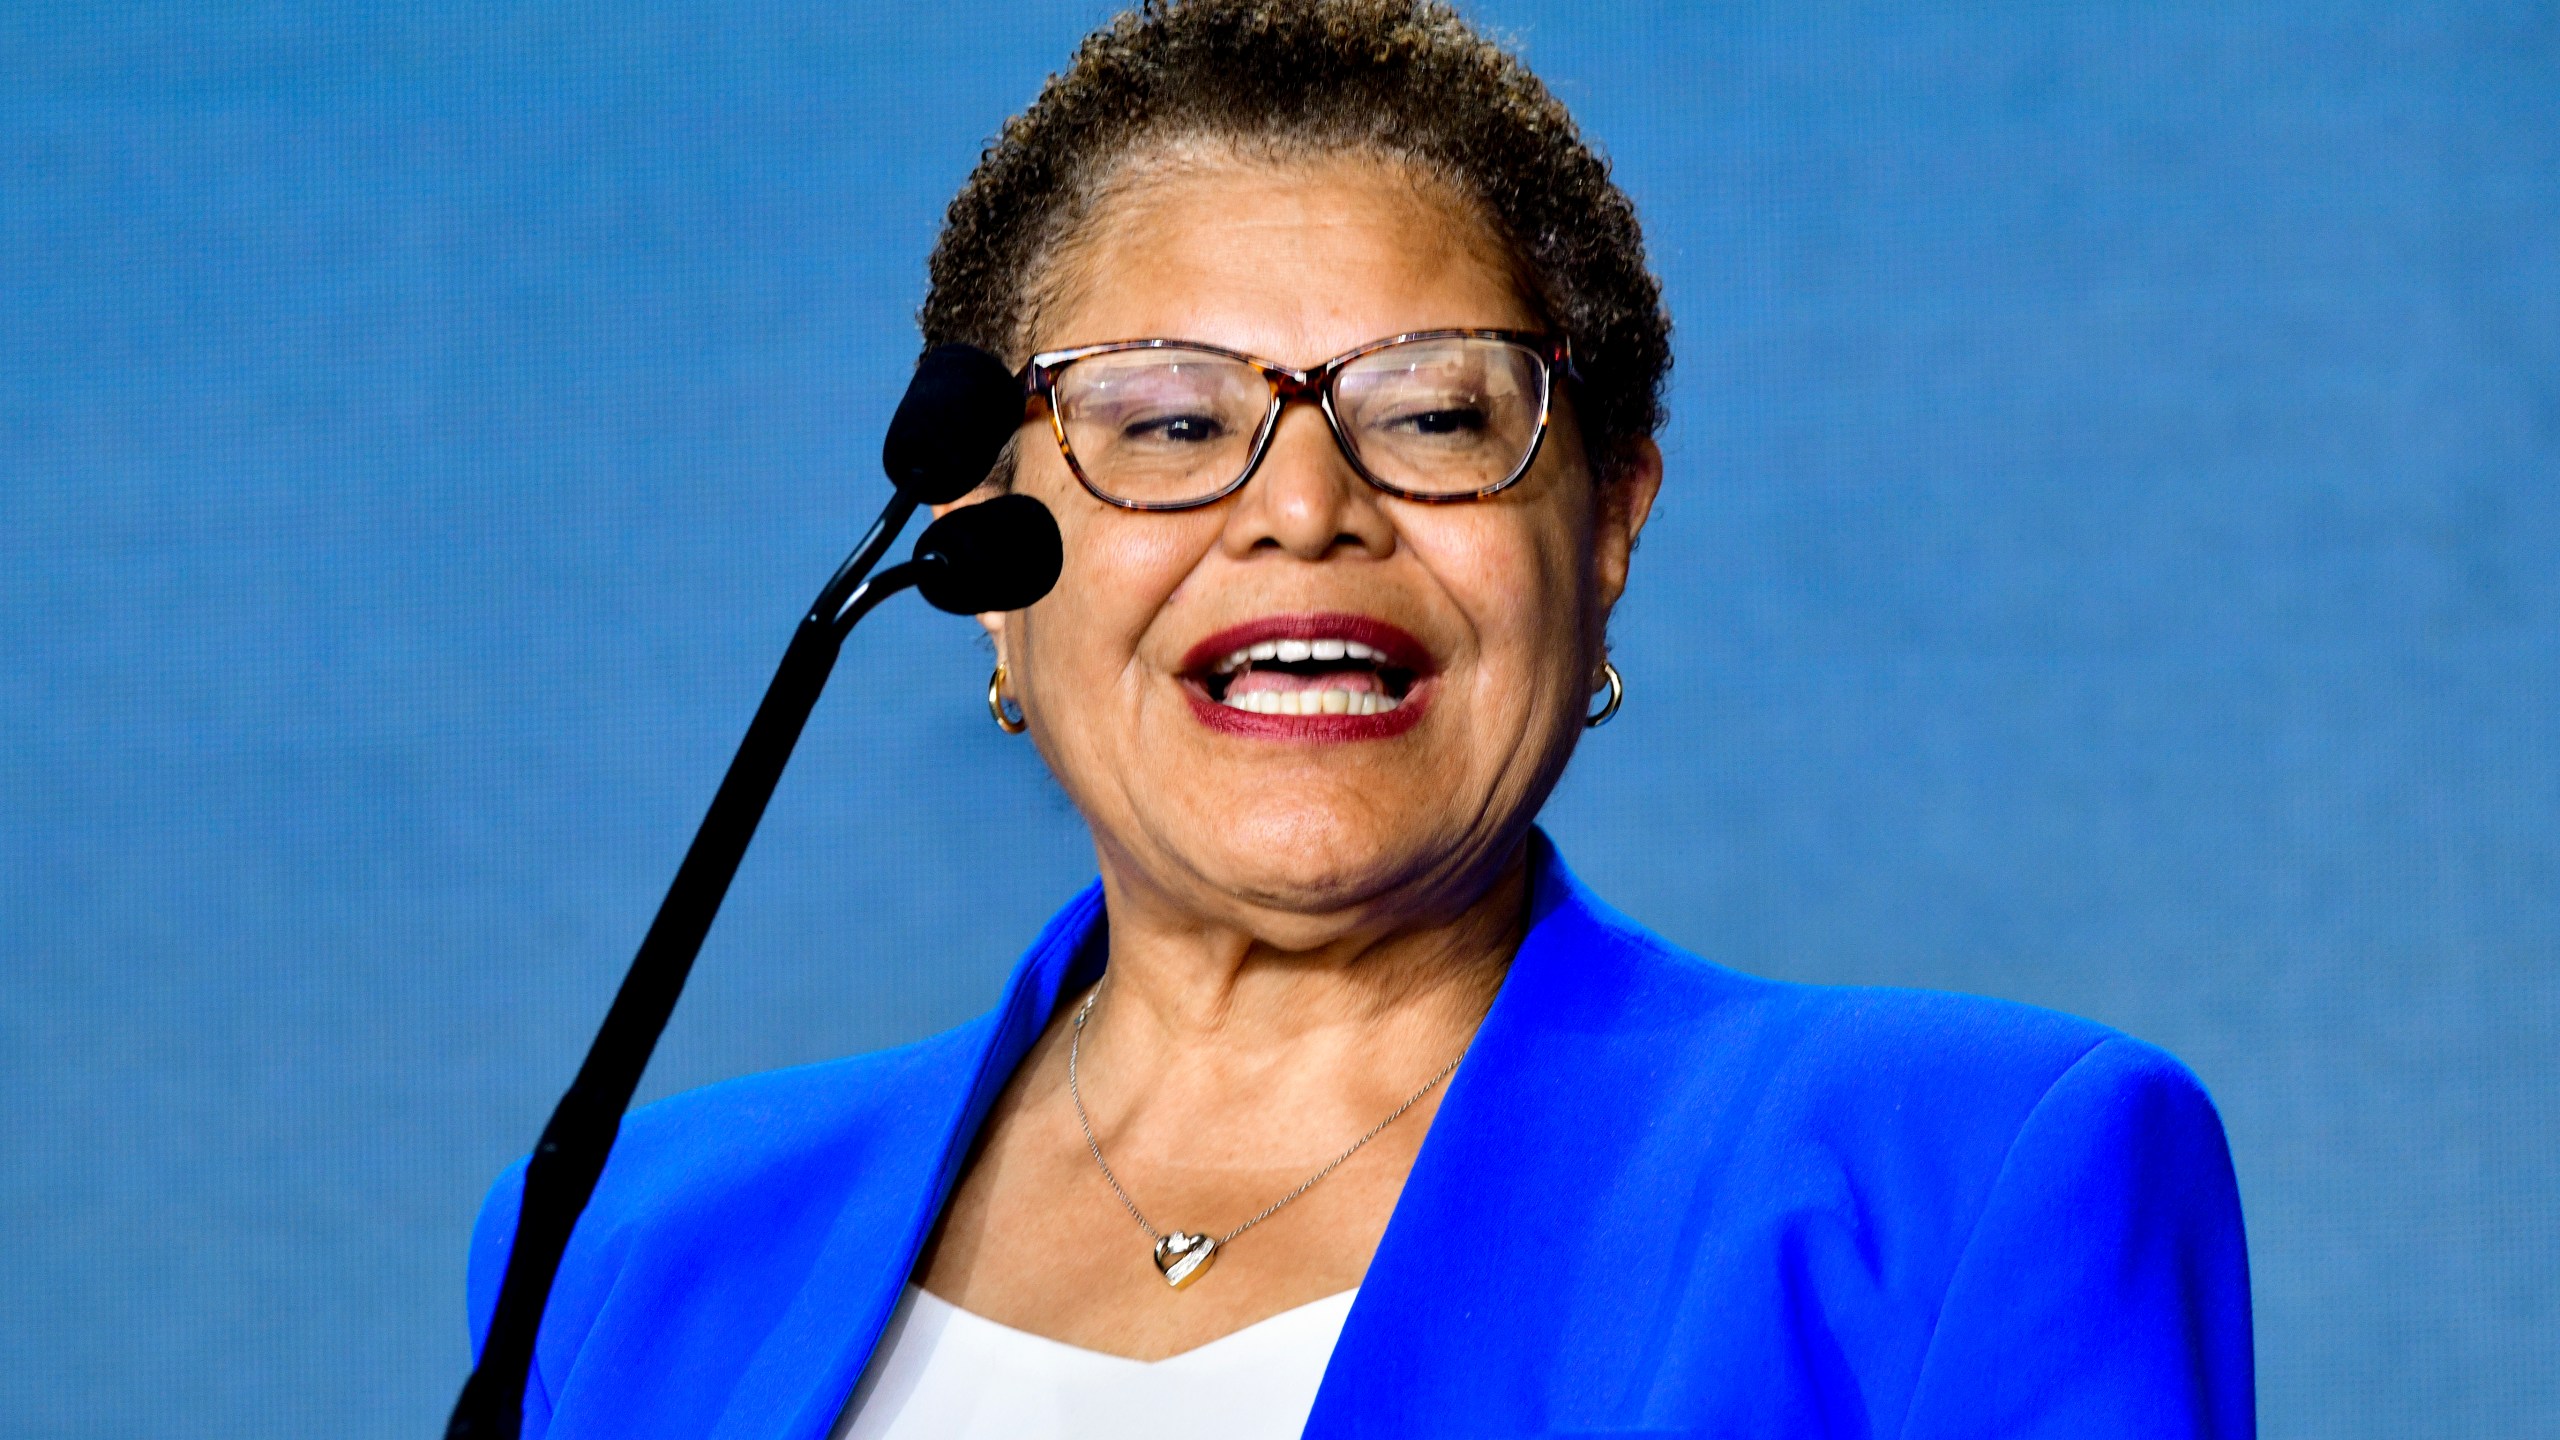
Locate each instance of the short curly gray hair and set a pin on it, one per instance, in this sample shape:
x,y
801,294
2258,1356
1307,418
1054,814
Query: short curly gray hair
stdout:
x,y
1407,80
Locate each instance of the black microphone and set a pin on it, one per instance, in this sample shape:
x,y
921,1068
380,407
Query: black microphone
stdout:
x,y
959,410
958,413
999,554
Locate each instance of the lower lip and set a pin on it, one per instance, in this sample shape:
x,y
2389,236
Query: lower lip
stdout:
x,y
1254,725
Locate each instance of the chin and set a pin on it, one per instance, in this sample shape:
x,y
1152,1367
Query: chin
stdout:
x,y
1315,859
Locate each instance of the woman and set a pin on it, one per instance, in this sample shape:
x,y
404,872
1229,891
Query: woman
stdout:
x,y
1337,1096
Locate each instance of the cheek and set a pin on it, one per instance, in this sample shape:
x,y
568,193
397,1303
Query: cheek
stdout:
x,y
1122,568
1520,577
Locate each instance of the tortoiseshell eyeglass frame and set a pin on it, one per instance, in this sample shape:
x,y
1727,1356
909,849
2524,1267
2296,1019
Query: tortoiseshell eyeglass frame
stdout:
x,y
1552,352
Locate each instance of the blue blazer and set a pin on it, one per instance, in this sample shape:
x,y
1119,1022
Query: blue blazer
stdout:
x,y
1660,1199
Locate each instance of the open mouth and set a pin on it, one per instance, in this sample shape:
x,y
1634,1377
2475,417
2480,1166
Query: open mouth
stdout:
x,y
1310,667
1332,676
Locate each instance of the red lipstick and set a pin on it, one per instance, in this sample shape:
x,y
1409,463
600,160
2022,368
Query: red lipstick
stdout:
x,y
1394,649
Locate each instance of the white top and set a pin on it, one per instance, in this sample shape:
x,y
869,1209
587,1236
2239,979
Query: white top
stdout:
x,y
945,1373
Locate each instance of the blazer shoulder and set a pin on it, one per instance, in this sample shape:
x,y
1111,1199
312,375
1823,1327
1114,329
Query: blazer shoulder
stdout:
x,y
1912,1060
1920,1103
1996,1071
783,1125
1881,1026
1977,1036
753,1150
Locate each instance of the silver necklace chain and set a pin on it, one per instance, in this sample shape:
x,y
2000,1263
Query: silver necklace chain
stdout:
x,y
1075,1094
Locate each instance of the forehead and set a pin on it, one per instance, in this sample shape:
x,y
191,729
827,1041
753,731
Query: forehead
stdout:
x,y
1294,260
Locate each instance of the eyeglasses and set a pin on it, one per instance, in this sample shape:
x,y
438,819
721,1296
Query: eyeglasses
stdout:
x,y
1434,416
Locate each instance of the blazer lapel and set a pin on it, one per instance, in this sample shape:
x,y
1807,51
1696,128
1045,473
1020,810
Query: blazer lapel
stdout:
x,y
807,1366
1488,1310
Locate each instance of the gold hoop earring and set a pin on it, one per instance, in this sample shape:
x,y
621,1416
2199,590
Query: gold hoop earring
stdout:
x,y
1617,692
1011,721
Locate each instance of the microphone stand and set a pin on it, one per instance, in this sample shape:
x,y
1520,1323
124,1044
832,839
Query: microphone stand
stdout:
x,y
562,1173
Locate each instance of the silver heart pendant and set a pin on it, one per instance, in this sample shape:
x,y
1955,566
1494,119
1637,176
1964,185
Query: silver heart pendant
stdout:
x,y
1182,1258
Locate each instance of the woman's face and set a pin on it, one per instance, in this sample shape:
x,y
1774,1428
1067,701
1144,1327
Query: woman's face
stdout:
x,y
1301,830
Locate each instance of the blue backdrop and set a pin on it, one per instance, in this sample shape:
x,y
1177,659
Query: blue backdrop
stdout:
x,y
2108,561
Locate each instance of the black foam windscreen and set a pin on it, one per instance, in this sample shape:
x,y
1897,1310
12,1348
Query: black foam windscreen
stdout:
x,y
999,554
960,408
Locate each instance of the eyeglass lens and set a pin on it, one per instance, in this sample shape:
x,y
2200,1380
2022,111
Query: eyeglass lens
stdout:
x,y
1444,416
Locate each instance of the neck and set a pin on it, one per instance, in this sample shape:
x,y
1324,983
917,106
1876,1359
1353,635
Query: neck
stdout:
x,y
1381,993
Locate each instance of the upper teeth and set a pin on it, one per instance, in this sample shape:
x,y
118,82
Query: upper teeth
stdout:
x,y
1295,650
1312,702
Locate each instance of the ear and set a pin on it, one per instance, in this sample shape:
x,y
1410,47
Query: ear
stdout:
x,y
1625,502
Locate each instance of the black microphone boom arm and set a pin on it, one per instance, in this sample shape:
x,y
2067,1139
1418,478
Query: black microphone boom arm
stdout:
x,y
960,408
568,1160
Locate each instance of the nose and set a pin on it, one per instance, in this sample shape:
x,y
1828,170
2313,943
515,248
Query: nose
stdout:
x,y
1305,499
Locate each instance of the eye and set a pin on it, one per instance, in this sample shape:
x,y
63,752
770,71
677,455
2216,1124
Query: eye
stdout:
x,y
1176,429
1447,420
